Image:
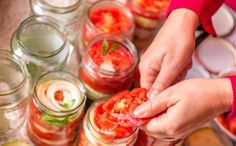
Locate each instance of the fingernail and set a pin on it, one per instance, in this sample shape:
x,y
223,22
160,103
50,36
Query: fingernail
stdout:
x,y
153,93
139,111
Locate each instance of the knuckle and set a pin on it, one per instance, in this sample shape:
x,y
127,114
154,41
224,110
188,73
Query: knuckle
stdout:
x,y
172,131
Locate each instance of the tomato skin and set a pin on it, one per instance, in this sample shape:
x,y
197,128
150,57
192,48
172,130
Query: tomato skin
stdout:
x,y
122,105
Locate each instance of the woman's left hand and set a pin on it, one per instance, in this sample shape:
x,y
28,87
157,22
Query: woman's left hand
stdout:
x,y
185,106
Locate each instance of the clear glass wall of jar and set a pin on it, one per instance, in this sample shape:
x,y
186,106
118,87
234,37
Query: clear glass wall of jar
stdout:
x,y
40,41
14,92
107,66
67,12
56,110
107,16
70,14
115,135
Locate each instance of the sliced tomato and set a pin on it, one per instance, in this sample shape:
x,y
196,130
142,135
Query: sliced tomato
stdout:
x,y
122,106
108,125
111,20
119,59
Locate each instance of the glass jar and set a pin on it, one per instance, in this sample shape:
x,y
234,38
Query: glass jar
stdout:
x,y
109,135
107,66
67,12
108,16
56,110
40,41
14,92
148,15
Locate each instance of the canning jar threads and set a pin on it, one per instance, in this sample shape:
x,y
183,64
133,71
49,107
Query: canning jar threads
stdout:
x,y
56,110
40,41
14,92
107,66
97,129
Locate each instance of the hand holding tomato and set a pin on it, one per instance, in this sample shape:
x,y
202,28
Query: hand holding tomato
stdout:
x,y
185,106
169,56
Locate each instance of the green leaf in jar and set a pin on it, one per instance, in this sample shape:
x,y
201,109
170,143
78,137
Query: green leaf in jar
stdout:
x,y
59,122
68,105
104,47
114,47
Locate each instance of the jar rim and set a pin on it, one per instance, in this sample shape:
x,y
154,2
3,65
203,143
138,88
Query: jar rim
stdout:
x,y
9,55
57,9
55,113
44,20
116,3
90,110
111,37
144,11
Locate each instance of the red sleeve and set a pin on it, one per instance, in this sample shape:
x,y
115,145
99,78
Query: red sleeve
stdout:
x,y
232,113
203,8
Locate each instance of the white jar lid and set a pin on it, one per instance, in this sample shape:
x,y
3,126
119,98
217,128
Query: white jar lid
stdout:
x,y
223,21
216,55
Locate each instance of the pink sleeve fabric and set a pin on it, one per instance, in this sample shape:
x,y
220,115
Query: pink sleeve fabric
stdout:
x,y
232,113
203,8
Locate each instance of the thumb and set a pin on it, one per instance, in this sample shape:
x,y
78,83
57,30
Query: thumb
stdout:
x,y
152,107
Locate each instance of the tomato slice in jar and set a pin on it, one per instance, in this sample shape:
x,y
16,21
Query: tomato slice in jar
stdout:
x,y
122,106
109,126
110,56
111,20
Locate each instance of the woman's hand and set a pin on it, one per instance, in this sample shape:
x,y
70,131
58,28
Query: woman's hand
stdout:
x,y
185,106
169,56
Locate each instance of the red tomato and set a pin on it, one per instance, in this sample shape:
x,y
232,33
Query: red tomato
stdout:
x,y
122,106
108,125
119,59
111,20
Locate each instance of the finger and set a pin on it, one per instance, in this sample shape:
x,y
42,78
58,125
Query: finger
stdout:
x,y
149,69
153,106
157,126
170,70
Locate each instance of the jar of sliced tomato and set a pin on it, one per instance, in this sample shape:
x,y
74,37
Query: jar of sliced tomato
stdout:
x,y
108,66
99,129
56,110
108,17
148,15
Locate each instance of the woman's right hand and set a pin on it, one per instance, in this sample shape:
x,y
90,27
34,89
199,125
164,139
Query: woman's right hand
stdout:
x,y
169,56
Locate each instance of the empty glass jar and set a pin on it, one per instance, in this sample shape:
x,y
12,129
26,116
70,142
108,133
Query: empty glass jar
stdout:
x,y
67,12
14,90
40,41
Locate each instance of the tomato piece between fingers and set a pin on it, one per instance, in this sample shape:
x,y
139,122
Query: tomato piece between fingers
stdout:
x,y
122,106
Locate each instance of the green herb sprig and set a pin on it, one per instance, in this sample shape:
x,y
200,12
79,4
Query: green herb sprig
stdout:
x,y
105,47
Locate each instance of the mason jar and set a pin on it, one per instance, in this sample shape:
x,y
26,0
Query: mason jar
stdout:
x,y
106,16
67,12
14,92
40,41
148,15
107,66
56,110
97,130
